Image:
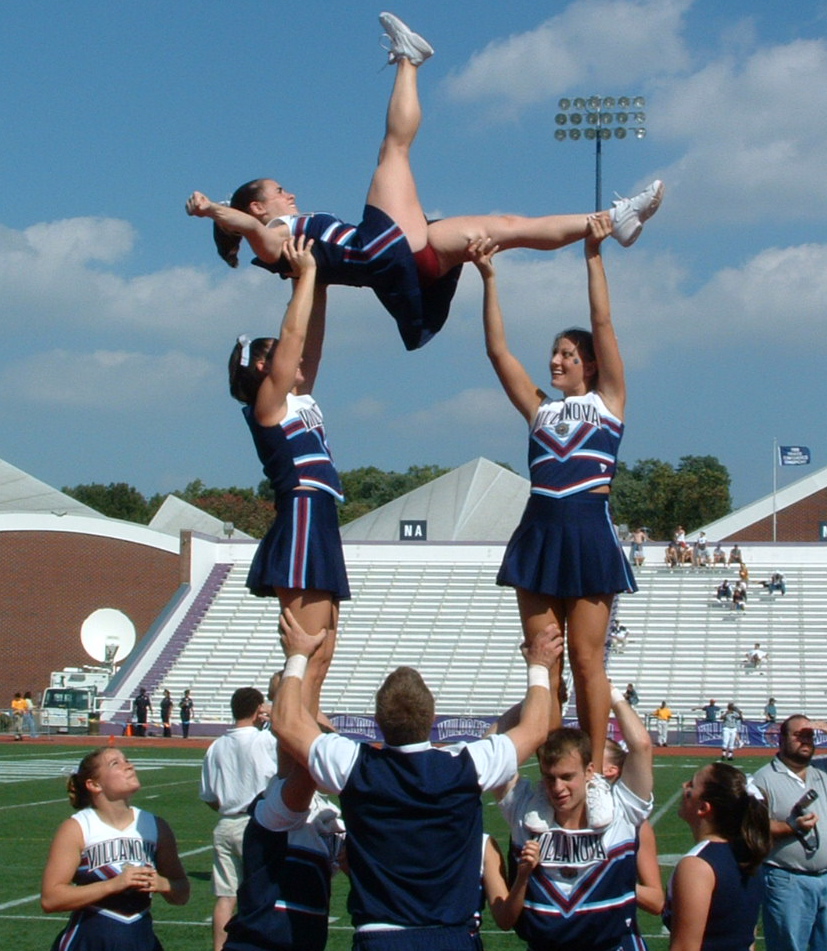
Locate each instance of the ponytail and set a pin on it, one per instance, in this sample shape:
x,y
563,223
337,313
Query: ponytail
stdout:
x,y
226,243
755,834
79,795
245,376
738,816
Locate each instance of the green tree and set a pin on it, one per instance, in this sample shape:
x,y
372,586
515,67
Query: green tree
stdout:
x,y
116,500
655,495
703,485
368,487
243,508
247,510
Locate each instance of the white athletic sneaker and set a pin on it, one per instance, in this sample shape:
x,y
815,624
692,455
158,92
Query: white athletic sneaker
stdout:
x,y
535,823
599,803
405,44
628,214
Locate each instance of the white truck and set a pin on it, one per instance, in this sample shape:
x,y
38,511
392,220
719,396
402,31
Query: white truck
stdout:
x,y
72,695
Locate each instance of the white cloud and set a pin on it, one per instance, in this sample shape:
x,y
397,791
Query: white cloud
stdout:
x,y
106,381
591,42
477,412
778,296
751,137
54,277
80,240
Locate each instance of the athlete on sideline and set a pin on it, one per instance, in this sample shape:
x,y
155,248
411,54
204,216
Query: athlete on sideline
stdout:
x,y
406,897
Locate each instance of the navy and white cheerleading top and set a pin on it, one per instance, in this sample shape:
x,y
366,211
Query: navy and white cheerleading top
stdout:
x,y
294,452
344,253
376,254
573,445
736,900
582,894
107,851
414,825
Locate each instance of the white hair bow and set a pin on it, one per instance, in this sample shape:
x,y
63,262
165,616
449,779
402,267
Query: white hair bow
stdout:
x,y
753,790
245,342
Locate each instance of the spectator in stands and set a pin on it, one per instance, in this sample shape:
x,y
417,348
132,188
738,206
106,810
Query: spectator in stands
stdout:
x,y
776,583
236,768
663,715
719,555
734,555
300,560
564,560
166,713
755,658
411,810
731,719
671,555
618,636
700,551
739,596
631,696
649,890
141,708
715,892
724,592
639,538
743,574
711,711
582,895
186,708
770,711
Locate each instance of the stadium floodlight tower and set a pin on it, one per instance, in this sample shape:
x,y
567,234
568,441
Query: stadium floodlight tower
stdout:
x,y
600,118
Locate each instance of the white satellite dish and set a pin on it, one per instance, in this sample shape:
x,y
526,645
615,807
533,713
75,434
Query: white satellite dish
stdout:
x,y
107,635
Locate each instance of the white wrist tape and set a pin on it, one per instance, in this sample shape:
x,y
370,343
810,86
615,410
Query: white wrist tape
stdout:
x,y
538,676
295,666
617,696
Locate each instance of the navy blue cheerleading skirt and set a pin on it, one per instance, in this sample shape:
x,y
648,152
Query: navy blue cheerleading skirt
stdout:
x,y
567,548
89,930
302,549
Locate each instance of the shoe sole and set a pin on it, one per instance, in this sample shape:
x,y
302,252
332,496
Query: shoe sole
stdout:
x,y
654,204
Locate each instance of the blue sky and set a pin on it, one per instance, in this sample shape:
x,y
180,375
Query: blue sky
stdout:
x,y
119,317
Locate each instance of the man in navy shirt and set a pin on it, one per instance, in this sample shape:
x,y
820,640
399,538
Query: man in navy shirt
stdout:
x,y
413,812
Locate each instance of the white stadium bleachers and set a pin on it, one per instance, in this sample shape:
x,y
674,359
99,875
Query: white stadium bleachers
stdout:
x,y
437,607
685,647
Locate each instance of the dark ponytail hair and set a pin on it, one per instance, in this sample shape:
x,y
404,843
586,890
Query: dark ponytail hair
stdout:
x,y
246,380
226,243
740,818
79,795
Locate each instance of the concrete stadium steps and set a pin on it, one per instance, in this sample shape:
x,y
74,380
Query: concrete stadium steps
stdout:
x,y
450,621
684,647
442,612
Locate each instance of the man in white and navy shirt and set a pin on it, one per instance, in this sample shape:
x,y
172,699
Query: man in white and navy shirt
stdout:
x,y
413,812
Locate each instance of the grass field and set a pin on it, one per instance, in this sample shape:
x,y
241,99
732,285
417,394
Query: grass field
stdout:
x,y
33,803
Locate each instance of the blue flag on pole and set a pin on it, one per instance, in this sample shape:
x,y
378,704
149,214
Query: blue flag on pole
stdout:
x,y
793,456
